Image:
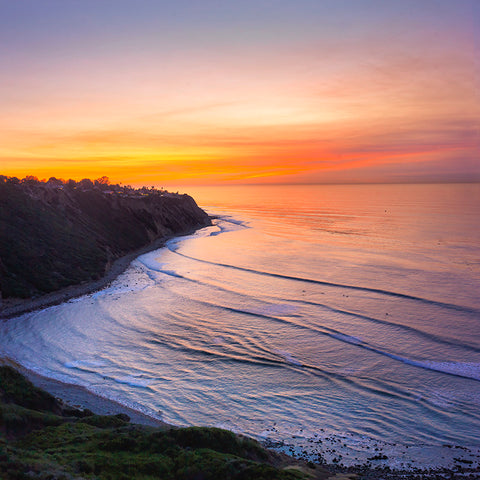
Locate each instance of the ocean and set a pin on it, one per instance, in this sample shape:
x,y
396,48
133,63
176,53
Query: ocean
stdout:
x,y
332,320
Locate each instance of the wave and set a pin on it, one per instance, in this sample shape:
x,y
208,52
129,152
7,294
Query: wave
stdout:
x,y
234,221
228,224
79,364
289,357
459,369
464,370
407,328
218,355
95,367
270,311
287,309
380,291
172,273
348,338
133,381
450,368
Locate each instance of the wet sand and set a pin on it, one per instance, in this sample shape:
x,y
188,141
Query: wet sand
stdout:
x,y
80,398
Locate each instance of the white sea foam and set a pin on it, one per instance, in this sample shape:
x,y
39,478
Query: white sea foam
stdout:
x,y
133,381
464,369
150,260
289,357
174,244
227,224
460,369
154,267
85,363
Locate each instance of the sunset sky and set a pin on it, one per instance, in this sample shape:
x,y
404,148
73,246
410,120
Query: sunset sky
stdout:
x,y
252,91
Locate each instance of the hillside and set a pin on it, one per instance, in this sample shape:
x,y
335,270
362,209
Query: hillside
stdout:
x,y
42,438
55,234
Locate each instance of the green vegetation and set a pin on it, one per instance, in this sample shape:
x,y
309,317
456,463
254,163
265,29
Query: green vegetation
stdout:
x,y
54,234
40,438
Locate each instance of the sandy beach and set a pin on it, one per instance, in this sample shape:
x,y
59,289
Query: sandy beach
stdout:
x,y
80,398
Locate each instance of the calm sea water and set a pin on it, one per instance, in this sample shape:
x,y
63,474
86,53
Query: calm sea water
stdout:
x,y
314,317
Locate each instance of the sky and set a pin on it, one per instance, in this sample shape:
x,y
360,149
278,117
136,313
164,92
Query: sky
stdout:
x,y
161,92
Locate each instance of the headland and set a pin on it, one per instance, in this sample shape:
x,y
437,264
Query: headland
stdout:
x,y
60,240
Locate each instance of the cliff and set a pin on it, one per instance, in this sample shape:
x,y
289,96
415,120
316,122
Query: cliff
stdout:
x,y
53,236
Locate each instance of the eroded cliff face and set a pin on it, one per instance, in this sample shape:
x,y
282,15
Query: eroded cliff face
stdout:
x,y
51,238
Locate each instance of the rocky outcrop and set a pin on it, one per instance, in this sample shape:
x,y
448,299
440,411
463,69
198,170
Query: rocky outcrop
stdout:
x,y
53,237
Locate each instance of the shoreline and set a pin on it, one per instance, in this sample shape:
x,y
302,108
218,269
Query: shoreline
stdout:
x,y
81,398
14,307
71,394
78,396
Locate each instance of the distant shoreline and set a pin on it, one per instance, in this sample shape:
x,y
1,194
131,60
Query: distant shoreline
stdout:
x,y
13,307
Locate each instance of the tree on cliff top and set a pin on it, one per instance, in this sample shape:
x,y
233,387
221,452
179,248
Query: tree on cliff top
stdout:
x,y
102,181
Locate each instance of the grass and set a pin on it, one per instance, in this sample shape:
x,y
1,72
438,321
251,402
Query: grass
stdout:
x,y
40,438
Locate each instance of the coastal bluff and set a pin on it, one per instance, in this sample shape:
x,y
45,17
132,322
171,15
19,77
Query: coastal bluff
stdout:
x,y
56,234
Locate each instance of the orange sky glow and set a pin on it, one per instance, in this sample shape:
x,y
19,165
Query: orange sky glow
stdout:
x,y
324,92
